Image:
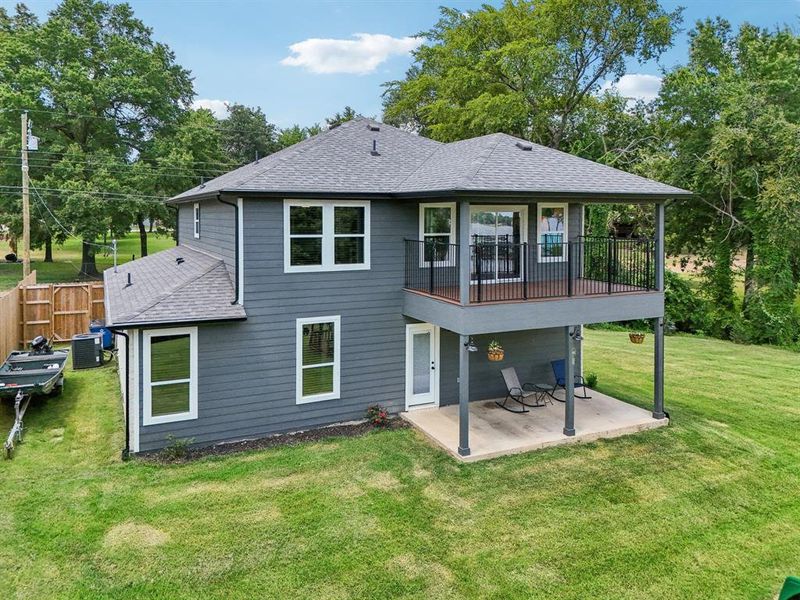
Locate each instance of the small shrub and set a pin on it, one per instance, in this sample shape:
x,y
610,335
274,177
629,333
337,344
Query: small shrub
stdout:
x,y
591,379
378,415
685,309
177,448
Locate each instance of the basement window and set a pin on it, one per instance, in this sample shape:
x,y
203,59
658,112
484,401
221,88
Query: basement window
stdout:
x,y
170,375
326,236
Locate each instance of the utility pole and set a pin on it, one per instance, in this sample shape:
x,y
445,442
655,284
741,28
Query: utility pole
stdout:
x,y
26,206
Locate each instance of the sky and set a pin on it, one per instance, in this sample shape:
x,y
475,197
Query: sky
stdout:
x,y
304,60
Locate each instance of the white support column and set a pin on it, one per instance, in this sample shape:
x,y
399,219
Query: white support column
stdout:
x,y
658,323
463,396
569,383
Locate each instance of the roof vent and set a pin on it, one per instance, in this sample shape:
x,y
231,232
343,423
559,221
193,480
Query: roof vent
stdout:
x,y
524,146
130,283
374,150
180,260
373,127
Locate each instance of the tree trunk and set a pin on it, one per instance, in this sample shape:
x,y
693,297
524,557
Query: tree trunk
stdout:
x,y
142,235
150,228
750,287
88,264
48,249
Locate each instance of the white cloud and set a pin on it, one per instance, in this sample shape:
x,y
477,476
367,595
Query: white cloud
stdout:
x,y
636,86
218,107
359,56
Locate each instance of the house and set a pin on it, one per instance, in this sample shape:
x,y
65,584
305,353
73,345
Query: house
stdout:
x,y
361,266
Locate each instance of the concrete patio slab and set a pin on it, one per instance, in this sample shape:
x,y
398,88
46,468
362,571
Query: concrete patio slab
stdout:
x,y
497,432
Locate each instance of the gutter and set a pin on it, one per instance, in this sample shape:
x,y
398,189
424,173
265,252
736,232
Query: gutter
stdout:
x,y
126,451
235,247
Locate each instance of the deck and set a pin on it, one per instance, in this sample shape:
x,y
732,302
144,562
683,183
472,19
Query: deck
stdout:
x,y
497,432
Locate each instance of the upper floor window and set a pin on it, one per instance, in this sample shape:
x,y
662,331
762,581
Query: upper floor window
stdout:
x,y
326,236
437,228
552,232
196,219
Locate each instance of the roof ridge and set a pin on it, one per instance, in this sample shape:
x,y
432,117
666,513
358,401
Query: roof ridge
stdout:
x,y
436,149
468,177
162,297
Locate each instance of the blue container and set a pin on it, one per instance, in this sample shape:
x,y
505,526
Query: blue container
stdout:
x,y
100,327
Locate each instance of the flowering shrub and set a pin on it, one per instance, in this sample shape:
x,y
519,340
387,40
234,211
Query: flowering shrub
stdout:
x,y
378,415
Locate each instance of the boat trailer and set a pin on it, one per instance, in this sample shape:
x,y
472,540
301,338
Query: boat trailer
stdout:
x,y
21,402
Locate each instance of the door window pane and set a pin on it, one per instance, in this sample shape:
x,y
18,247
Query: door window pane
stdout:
x,y
421,349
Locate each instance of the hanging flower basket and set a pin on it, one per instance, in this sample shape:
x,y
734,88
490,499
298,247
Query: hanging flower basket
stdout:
x,y
636,338
495,351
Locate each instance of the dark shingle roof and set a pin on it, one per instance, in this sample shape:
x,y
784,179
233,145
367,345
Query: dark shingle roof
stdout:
x,y
163,291
340,161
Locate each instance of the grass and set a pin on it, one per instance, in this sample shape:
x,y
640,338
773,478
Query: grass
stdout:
x,y
706,508
67,259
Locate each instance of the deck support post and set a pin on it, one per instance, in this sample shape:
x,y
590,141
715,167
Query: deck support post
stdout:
x,y
658,368
569,382
463,396
463,251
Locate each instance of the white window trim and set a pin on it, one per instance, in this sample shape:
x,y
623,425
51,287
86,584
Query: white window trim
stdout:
x,y
196,220
422,234
539,242
328,236
148,418
337,359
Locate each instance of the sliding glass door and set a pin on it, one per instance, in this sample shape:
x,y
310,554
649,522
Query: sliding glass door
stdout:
x,y
497,235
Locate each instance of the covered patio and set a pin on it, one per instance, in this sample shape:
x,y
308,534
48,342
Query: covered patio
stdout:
x,y
497,432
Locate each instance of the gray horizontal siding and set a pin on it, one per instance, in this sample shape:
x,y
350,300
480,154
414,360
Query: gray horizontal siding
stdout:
x,y
217,230
529,352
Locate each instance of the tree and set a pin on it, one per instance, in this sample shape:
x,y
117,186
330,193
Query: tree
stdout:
x,y
103,87
247,135
294,134
348,114
731,125
528,68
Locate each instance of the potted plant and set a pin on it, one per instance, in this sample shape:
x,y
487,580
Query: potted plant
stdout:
x,y
495,350
637,337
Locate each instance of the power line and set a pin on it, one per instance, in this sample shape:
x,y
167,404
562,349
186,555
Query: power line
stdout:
x,y
117,169
208,162
106,194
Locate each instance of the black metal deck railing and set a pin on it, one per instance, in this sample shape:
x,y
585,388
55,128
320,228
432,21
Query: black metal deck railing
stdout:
x,y
508,271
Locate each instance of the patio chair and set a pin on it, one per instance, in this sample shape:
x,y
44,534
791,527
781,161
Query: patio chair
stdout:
x,y
519,392
559,371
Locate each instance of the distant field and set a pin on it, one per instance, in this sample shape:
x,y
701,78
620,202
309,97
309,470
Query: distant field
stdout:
x,y
67,259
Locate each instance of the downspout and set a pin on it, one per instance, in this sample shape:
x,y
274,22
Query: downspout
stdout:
x,y
126,452
235,246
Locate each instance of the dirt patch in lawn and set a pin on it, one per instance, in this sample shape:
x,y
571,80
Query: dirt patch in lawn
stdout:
x,y
283,439
134,535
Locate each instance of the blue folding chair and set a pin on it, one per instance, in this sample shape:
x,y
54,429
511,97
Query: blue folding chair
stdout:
x,y
560,373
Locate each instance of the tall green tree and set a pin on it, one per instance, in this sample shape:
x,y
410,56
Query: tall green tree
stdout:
x,y
529,68
294,134
247,135
102,87
731,131
348,114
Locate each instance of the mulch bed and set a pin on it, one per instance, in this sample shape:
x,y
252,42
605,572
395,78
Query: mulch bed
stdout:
x,y
282,439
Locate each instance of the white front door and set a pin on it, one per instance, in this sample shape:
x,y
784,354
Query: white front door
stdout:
x,y
422,365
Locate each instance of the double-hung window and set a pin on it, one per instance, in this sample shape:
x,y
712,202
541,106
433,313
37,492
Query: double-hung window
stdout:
x,y
437,231
196,213
170,375
318,358
552,232
326,236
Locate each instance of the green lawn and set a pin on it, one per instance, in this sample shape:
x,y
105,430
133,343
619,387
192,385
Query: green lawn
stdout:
x,y
706,508
67,259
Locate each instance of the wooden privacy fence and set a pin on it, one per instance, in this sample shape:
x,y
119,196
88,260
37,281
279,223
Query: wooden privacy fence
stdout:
x,y
11,316
59,310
